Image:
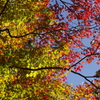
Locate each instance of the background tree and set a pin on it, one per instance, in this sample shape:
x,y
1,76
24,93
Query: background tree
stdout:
x,y
45,39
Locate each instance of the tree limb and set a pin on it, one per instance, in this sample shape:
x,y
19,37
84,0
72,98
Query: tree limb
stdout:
x,y
83,59
92,76
4,7
60,68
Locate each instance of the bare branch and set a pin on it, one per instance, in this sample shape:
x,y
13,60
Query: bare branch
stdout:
x,y
92,76
86,79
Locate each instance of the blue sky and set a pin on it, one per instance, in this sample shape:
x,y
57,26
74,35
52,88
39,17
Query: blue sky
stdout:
x,y
88,70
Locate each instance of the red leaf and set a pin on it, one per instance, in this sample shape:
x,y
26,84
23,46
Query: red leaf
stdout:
x,y
45,96
0,51
98,1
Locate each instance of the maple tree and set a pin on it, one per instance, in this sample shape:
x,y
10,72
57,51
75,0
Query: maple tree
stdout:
x,y
41,41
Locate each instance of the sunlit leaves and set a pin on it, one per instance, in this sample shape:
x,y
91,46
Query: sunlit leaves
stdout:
x,y
22,19
87,91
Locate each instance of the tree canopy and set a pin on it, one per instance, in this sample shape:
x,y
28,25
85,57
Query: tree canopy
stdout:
x,y
41,41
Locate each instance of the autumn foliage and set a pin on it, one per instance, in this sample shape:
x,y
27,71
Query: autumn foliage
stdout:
x,y
41,41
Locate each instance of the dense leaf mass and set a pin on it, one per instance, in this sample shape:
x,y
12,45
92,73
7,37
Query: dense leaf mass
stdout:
x,y
41,41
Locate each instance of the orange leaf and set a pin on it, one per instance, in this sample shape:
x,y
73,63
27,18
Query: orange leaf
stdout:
x,y
83,62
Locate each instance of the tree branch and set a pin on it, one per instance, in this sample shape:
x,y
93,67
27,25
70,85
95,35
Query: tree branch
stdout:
x,y
4,7
92,76
60,68
67,7
35,33
40,68
85,77
83,59
8,31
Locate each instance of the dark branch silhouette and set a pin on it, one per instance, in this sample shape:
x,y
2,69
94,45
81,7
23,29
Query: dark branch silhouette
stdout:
x,y
60,68
4,7
83,59
7,30
35,33
92,76
85,77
